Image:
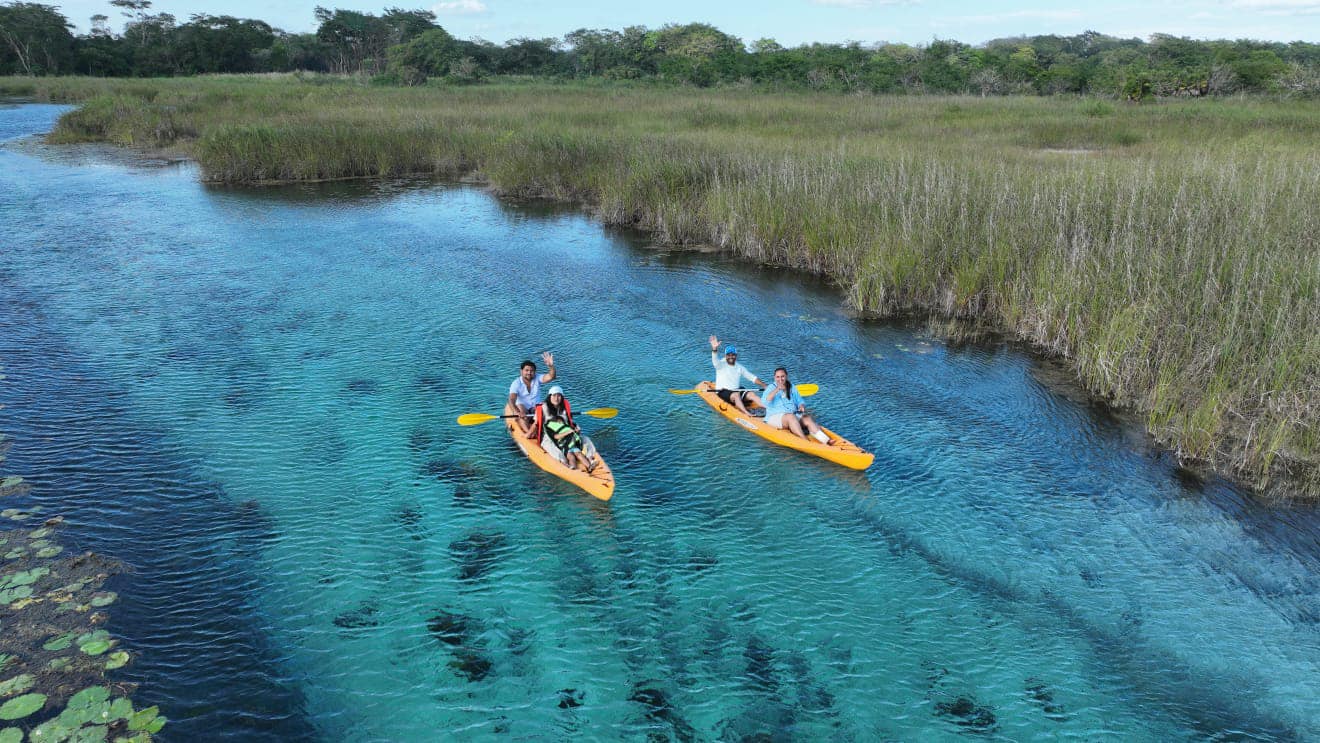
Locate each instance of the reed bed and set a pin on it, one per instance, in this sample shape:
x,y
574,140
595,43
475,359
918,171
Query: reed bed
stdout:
x,y
1170,251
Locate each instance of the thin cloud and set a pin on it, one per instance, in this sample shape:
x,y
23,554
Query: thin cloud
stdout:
x,y
855,4
1279,7
459,7
1046,15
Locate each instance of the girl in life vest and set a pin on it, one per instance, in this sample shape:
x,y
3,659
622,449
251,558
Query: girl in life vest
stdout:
x,y
555,418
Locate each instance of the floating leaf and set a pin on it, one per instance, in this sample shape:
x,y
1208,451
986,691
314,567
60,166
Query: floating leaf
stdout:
x,y
13,594
16,685
28,577
121,708
15,554
20,707
104,599
75,717
59,643
59,664
39,544
11,481
52,730
4,659
39,533
143,718
96,647
94,734
49,552
117,659
91,696
87,637
11,735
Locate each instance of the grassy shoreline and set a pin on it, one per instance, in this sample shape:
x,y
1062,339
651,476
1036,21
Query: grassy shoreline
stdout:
x,y
1171,252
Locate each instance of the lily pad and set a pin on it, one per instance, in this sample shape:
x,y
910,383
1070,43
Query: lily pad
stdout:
x,y
39,544
20,707
41,533
75,717
11,481
49,552
117,659
96,647
15,554
87,637
59,643
11,735
94,734
52,730
92,695
121,709
143,718
16,685
13,594
104,599
59,664
27,577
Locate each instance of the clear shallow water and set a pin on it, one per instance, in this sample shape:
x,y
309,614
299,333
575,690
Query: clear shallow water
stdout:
x,y
249,396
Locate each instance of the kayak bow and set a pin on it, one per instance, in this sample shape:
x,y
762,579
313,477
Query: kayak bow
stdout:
x,y
599,482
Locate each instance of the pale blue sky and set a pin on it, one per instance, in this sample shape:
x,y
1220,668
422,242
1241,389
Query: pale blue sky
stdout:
x,y
795,22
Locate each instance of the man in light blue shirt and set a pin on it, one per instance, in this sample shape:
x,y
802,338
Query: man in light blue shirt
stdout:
x,y
729,375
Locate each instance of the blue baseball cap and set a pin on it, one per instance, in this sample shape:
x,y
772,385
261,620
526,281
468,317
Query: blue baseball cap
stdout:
x,y
730,350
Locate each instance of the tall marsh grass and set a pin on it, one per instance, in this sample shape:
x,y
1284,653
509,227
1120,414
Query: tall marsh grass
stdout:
x,y
1172,252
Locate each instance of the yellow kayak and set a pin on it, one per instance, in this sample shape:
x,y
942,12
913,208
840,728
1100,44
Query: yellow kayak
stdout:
x,y
842,451
599,482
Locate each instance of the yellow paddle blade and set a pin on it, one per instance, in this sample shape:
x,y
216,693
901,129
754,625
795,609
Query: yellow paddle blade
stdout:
x,y
807,390
602,412
472,419
682,392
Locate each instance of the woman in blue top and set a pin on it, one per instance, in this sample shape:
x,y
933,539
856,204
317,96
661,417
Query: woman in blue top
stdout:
x,y
784,409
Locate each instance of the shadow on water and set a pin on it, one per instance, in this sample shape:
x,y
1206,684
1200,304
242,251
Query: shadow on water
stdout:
x,y
201,652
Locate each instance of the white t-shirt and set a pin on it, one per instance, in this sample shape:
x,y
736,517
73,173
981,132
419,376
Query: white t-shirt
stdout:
x,y
528,397
729,377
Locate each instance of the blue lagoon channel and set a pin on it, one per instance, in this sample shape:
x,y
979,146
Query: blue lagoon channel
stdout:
x,y
249,396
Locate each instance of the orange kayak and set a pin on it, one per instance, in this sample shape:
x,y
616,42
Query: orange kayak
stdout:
x,y
599,482
842,451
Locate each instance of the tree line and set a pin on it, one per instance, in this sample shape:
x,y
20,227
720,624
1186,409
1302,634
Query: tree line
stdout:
x,y
408,47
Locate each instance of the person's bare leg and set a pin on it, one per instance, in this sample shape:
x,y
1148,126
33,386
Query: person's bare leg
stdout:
x,y
754,399
814,428
791,423
737,398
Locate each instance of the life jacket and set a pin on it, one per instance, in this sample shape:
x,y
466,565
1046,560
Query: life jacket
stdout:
x,y
539,422
555,427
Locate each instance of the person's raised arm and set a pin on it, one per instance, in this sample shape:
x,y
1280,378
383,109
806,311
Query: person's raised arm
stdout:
x,y
714,352
549,360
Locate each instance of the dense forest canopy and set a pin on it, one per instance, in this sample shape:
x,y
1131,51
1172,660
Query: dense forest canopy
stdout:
x,y
408,47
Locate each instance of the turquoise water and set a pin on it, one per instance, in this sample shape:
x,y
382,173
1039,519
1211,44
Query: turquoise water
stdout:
x,y
249,395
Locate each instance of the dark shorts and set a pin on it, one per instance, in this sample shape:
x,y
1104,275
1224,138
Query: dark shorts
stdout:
x,y
727,395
